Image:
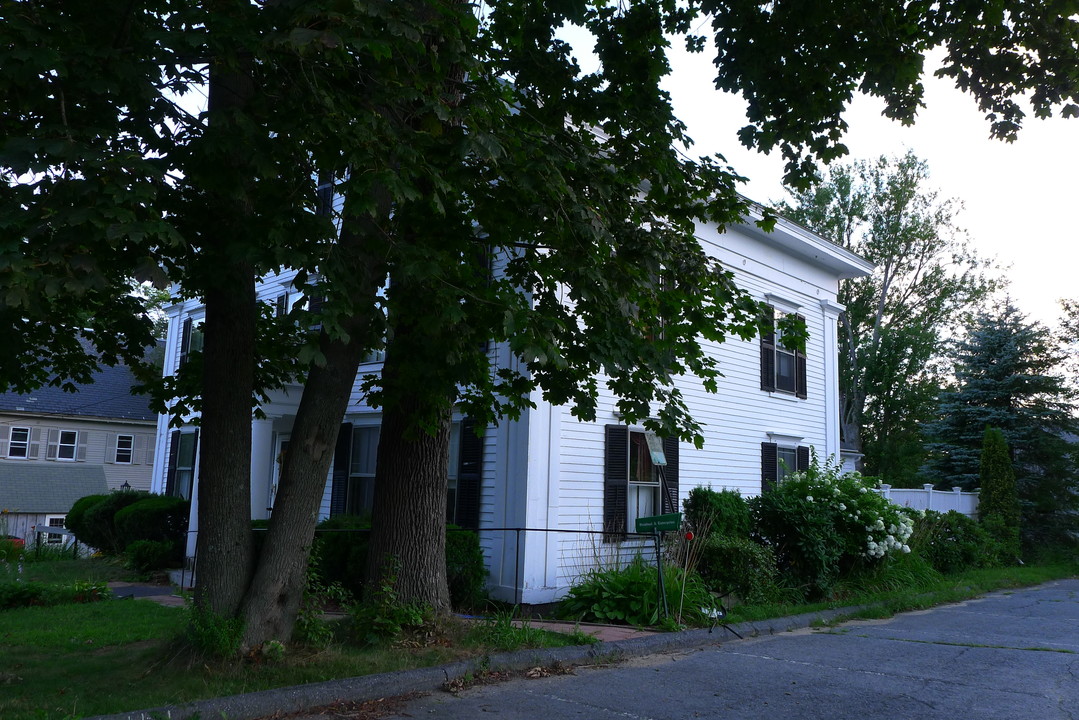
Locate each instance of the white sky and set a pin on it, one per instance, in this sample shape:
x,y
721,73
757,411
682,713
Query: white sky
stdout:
x,y
1017,197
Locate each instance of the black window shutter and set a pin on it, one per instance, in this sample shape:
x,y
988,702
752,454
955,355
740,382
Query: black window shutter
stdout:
x,y
342,458
769,465
174,452
670,475
185,341
800,367
615,482
768,349
803,458
469,476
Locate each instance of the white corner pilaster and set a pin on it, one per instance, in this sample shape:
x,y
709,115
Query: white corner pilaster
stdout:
x,y
831,311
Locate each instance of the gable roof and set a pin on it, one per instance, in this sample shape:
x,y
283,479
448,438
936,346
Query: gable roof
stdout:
x,y
28,487
108,396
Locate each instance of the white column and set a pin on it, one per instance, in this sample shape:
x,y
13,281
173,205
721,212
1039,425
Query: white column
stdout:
x,y
831,376
262,460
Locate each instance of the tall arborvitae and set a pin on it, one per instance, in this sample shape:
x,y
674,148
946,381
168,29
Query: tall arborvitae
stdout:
x,y
998,506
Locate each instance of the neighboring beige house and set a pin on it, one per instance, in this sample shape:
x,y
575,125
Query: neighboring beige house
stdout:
x,y
57,446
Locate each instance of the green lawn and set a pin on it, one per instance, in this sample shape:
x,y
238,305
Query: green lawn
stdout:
x,y
72,661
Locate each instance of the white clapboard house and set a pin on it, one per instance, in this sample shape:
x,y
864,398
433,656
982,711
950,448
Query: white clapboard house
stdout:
x,y
542,489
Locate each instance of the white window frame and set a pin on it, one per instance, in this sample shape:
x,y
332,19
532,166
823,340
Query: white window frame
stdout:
x,y
61,446
784,469
130,449
24,444
54,538
642,493
784,353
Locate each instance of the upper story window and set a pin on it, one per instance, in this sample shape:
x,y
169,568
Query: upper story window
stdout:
x,y
67,445
125,449
19,443
783,367
190,339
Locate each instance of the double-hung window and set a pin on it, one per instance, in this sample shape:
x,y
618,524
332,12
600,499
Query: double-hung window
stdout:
x,y
67,445
125,449
19,442
778,460
634,486
783,362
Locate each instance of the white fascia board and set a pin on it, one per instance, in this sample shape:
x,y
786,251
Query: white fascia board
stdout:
x,y
807,245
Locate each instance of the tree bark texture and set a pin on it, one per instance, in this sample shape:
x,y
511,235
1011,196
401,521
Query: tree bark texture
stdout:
x,y
408,529
276,592
224,546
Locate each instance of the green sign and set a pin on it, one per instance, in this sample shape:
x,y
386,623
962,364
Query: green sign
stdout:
x,y
658,523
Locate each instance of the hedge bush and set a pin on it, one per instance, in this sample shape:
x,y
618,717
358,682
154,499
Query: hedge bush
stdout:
x,y
341,557
740,567
466,571
722,512
147,556
76,517
96,526
952,542
158,518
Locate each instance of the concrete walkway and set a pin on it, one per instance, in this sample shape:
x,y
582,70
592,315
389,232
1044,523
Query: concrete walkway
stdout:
x,y
161,594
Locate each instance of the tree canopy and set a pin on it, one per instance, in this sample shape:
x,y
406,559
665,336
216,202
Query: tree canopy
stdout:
x,y
927,283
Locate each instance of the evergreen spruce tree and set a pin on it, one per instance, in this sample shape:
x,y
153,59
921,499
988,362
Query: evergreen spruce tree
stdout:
x,y
1009,376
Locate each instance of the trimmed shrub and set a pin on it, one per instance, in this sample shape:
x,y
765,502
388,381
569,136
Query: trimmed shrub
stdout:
x,y
147,556
740,567
466,571
99,522
159,518
341,554
76,516
723,512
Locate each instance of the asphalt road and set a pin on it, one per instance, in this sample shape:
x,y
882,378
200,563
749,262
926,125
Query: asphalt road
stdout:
x,y
1010,655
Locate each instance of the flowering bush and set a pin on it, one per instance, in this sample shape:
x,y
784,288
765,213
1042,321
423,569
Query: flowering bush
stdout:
x,y
822,522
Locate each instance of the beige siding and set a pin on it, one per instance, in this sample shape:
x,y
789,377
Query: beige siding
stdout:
x,y
96,445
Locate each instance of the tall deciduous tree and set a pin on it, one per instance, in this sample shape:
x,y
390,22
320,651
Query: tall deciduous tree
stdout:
x,y
1008,376
892,332
420,110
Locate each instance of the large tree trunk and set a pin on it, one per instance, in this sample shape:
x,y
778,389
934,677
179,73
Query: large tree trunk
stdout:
x,y
408,527
276,591
224,547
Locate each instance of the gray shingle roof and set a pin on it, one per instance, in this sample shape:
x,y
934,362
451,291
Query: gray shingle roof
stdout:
x,y
50,487
109,396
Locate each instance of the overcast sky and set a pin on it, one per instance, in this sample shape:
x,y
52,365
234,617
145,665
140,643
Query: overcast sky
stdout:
x,y
1018,197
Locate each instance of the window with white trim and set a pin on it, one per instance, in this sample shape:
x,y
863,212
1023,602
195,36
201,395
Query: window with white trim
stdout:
x,y
783,368
780,460
19,442
55,521
361,472
633,485
68,445
125,449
